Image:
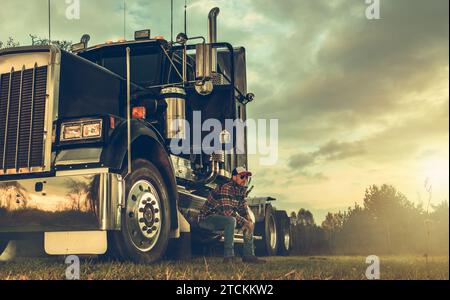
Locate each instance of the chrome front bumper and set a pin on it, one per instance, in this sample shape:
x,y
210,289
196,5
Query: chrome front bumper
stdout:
x,y
78,200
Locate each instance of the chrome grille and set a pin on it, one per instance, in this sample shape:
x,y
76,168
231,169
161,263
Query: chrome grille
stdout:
x,y
22,116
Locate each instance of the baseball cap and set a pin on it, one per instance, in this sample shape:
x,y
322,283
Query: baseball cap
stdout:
x,y
241,171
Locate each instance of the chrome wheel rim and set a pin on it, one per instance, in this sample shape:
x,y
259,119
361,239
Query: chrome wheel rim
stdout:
x,y
272,233
144,215
287,239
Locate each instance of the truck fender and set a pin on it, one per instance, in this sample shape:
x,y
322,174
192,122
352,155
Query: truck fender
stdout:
x,y
146,142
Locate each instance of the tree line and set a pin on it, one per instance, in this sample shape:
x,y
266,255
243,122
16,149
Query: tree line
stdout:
x,y
386,223
36,41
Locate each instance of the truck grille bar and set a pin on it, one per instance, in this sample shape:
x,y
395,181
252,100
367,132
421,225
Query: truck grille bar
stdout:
x,y
22,116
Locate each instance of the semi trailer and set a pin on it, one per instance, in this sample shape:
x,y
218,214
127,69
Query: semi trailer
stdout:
x,y
86,146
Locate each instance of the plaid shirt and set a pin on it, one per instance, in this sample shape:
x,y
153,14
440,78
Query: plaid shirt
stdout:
x,y
227,200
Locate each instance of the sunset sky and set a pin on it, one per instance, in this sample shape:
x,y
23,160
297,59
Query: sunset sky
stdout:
x,y
359,101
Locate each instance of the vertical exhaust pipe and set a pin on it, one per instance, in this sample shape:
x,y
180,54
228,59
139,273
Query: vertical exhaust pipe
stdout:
x,y
212,34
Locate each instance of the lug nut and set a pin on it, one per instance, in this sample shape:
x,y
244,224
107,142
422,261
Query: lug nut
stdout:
x,y
149,231
141,220
144,202
153,202
141,210
154,228
156,210
145,228
156,220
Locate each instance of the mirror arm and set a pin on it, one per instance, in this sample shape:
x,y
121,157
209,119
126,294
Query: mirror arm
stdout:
x,y
171,62
241,96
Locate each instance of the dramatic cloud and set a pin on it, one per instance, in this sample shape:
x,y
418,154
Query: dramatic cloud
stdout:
x,y
359,101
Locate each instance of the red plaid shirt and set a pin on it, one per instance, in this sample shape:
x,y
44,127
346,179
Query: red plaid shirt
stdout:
x,y
227,200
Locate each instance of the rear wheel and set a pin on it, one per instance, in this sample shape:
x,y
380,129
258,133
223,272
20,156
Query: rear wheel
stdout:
x,y
268,230
144,235
284,230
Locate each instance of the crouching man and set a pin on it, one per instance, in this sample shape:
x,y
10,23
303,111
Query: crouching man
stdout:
x,y
225,210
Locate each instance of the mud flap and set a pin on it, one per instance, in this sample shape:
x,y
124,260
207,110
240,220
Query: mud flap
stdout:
x,y
180,248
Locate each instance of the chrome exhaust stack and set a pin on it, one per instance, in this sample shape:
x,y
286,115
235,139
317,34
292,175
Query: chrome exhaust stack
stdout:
x,y
212,34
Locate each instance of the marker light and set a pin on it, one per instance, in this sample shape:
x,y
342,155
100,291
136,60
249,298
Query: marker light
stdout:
x,y
142,35
139,112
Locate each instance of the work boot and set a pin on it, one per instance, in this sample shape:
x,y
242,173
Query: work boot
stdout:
x,y
252,259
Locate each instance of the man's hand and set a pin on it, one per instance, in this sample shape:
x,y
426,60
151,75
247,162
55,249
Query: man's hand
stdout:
x,y
248,226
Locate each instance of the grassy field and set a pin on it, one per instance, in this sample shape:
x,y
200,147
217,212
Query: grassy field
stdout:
x,y
212,268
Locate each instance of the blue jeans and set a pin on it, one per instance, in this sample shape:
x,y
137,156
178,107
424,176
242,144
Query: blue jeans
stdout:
x,y
228,225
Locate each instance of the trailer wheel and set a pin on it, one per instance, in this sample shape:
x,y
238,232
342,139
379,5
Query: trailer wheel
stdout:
x,y
144,235
284,230
268,230
3,246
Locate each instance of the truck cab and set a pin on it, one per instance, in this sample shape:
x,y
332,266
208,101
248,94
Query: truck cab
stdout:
x,y
101,150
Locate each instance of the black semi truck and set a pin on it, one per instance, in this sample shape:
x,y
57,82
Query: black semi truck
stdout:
x,y
85,146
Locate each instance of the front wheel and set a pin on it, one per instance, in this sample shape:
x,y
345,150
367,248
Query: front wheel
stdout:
x,y
144,234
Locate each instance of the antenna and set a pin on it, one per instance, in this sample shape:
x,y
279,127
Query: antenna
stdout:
x,y
171,21
124,19
49,24
185,17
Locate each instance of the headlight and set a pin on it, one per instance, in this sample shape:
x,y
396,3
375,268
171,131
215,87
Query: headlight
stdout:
x,y
70,132
89,129
92,130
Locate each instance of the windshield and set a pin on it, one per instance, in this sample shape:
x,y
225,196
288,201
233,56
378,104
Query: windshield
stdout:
x,y
145,65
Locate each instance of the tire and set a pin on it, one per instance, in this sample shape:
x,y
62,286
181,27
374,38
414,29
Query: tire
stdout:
x,y
3,246
268,230
284,230
144,235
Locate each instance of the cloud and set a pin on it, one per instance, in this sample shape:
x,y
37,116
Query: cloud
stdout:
x,y
351,95
302,160
344,72
333,150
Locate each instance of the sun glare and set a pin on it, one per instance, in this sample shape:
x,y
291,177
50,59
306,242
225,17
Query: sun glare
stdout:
x,y
436,172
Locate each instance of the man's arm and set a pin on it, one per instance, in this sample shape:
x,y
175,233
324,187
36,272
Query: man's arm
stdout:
x,y
225,199
243,209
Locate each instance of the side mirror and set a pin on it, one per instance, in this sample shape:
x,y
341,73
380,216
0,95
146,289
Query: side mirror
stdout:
x,y
250,97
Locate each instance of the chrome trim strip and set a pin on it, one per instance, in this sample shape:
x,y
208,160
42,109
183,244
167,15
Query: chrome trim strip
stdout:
x,y
82,172
19,116
77,162
32,113
7,117
51,106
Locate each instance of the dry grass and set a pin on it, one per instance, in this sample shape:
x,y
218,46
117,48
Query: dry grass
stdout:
x,y
212,268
